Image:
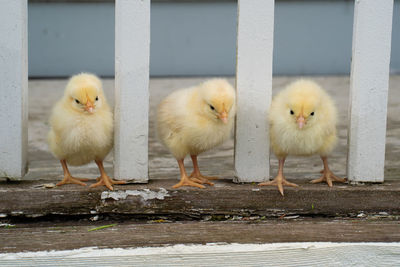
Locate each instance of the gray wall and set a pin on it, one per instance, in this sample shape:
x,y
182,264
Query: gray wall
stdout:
x,y
194,38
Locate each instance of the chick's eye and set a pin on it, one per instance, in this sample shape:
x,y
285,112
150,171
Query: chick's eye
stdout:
x,y
97,98
212,108
291,112
77,101
312,113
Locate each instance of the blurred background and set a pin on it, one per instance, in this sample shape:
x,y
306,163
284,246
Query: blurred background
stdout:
x,y
194,38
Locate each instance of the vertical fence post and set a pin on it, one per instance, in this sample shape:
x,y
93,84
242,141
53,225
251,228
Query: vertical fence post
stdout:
x,y
254,89
369,90
132,52
13,88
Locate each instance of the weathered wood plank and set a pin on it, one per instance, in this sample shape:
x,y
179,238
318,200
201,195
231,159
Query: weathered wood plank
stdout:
x,y
254,89
132,53
24,199
369,90
13,88
73,235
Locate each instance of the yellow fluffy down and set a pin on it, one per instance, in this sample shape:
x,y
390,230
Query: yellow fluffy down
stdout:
x,y
77,136
187,125
318,136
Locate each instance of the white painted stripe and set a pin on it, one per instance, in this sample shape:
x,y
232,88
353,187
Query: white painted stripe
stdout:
x,y
13,88
254,89
132,52
369,90
284,254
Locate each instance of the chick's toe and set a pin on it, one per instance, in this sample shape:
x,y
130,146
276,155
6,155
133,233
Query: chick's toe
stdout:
x,y
68,179
107,181
199,178
279,181
327,175
186,181
329,178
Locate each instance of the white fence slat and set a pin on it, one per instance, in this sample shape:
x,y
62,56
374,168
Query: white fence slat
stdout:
x,y
254,89
369,90
13,88
132,52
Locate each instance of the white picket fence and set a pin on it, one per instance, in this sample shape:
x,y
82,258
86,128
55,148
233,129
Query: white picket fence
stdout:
x,y
367,105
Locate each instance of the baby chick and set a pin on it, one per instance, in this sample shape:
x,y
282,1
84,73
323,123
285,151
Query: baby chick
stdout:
x,y
82,128
196,119
302,122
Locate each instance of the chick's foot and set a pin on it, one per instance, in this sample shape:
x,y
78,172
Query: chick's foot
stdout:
x,y
186,181
329,178
107,182
68,179
197,177
201,179
279,181
327,175
104,179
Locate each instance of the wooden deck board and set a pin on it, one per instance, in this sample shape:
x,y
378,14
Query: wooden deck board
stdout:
x,y
74,235
157,197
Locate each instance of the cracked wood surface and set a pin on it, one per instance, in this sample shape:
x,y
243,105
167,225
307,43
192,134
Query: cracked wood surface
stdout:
x,y
157,197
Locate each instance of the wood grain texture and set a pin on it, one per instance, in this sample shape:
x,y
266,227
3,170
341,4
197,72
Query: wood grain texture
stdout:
x,y
25,199
73,235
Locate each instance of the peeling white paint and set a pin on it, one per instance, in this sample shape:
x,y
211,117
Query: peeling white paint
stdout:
x,y
6,225
146,194
94,218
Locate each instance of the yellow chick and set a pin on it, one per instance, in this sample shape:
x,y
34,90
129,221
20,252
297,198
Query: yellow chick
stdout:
x,y
302,122
82,128
196,119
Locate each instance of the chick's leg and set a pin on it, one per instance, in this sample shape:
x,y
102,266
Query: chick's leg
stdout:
x,y
104,179
68,179
185,180
327,175
197,176
279,180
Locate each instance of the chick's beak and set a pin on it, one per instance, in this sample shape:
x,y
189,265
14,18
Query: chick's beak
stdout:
x,y
301,121
224,116
89,107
